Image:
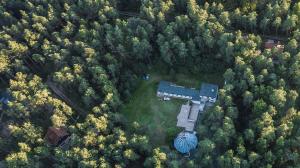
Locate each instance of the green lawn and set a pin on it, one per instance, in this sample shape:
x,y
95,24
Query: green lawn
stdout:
x,y
159,117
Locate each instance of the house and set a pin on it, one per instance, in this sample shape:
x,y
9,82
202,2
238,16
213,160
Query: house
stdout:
x,y
270,44
188,115
168,89
208,93
58,137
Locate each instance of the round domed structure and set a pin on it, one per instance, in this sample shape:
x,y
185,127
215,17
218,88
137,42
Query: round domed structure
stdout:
x,y
185,142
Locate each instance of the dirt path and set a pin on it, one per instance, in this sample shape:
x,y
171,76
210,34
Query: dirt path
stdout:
x,y
63,97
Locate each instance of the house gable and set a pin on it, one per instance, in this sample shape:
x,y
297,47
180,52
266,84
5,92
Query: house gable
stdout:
x,y
209,91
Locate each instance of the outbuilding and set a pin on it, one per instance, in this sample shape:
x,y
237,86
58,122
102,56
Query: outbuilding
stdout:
x,y
58,137
185,142
270,44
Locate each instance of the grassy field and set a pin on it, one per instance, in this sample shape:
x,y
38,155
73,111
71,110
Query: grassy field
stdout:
x,y
159,117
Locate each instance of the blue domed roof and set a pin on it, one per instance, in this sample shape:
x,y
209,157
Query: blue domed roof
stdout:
x,y
185,142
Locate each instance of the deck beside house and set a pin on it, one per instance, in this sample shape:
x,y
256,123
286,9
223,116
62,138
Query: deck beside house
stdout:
x,y
188,116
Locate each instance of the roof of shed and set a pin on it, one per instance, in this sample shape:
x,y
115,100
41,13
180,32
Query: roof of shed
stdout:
x,y
54,135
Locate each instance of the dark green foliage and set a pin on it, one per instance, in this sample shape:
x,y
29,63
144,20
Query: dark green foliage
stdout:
x,y
95,56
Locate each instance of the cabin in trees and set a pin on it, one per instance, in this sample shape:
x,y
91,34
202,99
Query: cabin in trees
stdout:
x,y
274,44
198,99
170,90
58,137
270,44
207,94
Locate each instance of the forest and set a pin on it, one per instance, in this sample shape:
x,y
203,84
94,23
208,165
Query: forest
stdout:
x,y
73,64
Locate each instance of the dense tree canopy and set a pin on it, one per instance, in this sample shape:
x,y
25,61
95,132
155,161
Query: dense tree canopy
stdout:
x,y
94,51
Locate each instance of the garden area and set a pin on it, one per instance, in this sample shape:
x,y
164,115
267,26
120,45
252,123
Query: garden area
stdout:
x,y
157,116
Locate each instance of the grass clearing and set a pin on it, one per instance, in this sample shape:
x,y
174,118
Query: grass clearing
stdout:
x,y
160,117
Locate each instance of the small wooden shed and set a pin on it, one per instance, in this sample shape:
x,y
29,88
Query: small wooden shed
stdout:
x,y
56,136
270,44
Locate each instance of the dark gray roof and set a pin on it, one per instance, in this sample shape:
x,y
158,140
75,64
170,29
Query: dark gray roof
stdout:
x,y
209,90
171,88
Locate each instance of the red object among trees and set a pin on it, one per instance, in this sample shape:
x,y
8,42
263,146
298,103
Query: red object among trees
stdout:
x,y
55,136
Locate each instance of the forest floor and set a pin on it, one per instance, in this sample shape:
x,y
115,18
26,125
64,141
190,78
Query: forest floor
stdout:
x,y
157,116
